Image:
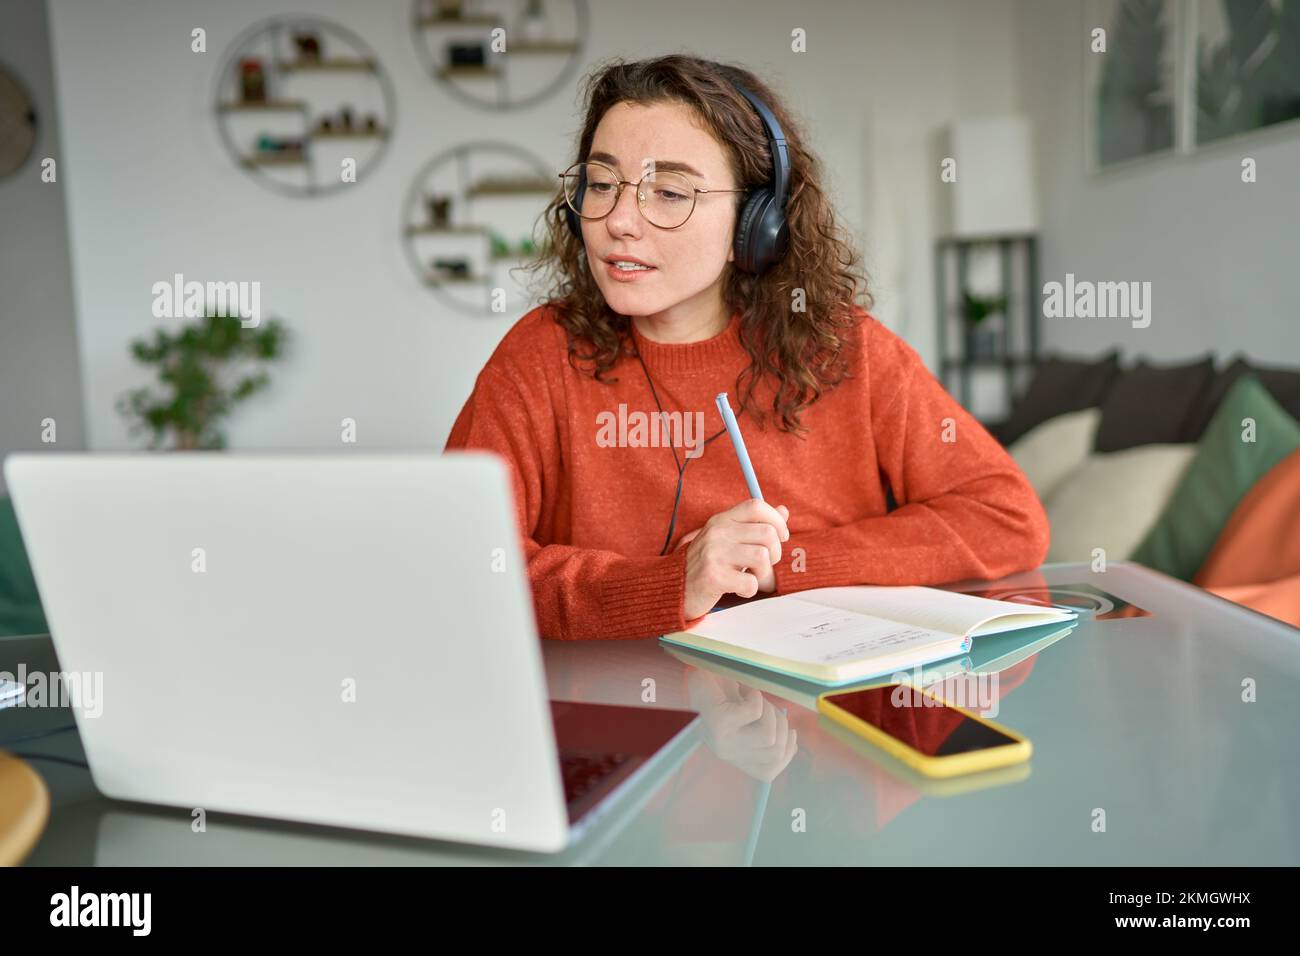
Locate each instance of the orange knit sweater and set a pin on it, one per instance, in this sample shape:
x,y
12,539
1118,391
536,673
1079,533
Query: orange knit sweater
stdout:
x,y
594,491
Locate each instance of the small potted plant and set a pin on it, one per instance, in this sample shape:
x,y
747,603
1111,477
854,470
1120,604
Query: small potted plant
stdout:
x,y
981,336
205,370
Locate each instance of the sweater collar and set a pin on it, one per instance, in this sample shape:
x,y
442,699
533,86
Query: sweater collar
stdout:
x,y
721,349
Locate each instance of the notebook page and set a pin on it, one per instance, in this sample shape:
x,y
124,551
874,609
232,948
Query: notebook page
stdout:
x,y
931,608
811,633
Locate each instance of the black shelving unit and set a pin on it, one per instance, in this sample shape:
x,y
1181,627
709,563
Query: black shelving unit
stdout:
x,y
1011,343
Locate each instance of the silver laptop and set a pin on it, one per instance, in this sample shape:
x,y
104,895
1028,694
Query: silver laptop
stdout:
x,y
341,640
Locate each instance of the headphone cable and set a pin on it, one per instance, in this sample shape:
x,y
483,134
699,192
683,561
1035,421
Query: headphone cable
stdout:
x,y
681,469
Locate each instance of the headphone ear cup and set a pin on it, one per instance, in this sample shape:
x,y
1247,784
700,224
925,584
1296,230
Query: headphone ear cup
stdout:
x,y
762,234
775,231
747,230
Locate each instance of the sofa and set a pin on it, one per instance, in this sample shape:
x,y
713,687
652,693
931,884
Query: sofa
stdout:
x,y
1189,468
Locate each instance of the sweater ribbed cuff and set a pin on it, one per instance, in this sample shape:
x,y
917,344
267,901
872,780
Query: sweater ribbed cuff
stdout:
x,y
822,566
645,597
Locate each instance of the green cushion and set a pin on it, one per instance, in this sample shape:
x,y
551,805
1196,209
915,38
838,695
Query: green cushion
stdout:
x,y
1223,469
20,605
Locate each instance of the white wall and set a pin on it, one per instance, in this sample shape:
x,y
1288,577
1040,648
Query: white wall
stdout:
x,y
152,193
1221,254
39,377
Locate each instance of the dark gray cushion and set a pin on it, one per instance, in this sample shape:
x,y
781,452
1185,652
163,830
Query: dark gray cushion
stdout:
x,y
1059,385
1153,404
1283,384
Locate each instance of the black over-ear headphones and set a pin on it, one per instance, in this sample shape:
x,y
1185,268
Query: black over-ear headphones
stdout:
x,y
762,233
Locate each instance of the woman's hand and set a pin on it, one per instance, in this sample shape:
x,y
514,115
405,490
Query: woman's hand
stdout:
x,y
733,554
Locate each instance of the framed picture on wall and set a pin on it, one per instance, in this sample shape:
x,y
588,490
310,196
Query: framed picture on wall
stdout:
x,y
1247,66
1179,75
1135,90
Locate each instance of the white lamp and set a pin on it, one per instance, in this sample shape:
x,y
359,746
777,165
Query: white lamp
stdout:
x,y
995,193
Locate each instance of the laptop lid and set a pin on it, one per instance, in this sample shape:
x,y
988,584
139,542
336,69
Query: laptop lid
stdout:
x,y
343,640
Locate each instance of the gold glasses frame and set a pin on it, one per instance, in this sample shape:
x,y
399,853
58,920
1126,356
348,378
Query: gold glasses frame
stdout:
x,y
640,196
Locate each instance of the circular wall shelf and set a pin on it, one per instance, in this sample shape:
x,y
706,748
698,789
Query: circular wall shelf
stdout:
x,y
469,217
295,97
542,40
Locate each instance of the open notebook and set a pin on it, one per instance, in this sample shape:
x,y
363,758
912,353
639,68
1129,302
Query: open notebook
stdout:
x,y
991,654
836,636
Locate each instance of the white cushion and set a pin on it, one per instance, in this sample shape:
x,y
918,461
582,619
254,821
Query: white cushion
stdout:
x,y
1051,450
1112,500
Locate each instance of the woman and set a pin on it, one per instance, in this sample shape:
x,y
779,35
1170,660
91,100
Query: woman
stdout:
x,y
650,314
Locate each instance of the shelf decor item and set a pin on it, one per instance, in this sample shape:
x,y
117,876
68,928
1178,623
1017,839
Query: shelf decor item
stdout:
x,y
205,370
451,268
458,212
467,54
500,54
532,24
439,211
252,81
981,337
277,149
296,98
308,45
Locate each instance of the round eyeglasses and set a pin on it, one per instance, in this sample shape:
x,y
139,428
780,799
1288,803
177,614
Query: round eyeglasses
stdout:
x,y
666,199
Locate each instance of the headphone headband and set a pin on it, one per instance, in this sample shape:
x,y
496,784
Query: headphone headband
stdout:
x,y
776,143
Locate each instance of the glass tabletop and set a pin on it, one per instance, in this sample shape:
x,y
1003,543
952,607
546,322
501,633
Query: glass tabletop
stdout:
x,y
1163,731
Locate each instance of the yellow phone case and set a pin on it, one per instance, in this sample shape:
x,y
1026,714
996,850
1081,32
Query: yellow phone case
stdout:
x,y
926,786
949,766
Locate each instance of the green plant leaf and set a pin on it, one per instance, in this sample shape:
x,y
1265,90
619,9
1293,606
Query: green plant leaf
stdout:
x,y
191,364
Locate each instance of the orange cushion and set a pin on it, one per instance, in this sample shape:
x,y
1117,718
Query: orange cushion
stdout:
x,y
1261,540
1256,559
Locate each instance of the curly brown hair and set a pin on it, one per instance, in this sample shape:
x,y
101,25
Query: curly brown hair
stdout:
x,y
805,351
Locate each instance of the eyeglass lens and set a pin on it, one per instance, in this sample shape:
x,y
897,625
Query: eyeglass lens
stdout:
x,y
666,199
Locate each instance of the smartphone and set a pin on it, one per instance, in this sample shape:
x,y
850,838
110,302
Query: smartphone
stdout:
x,y
924,731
